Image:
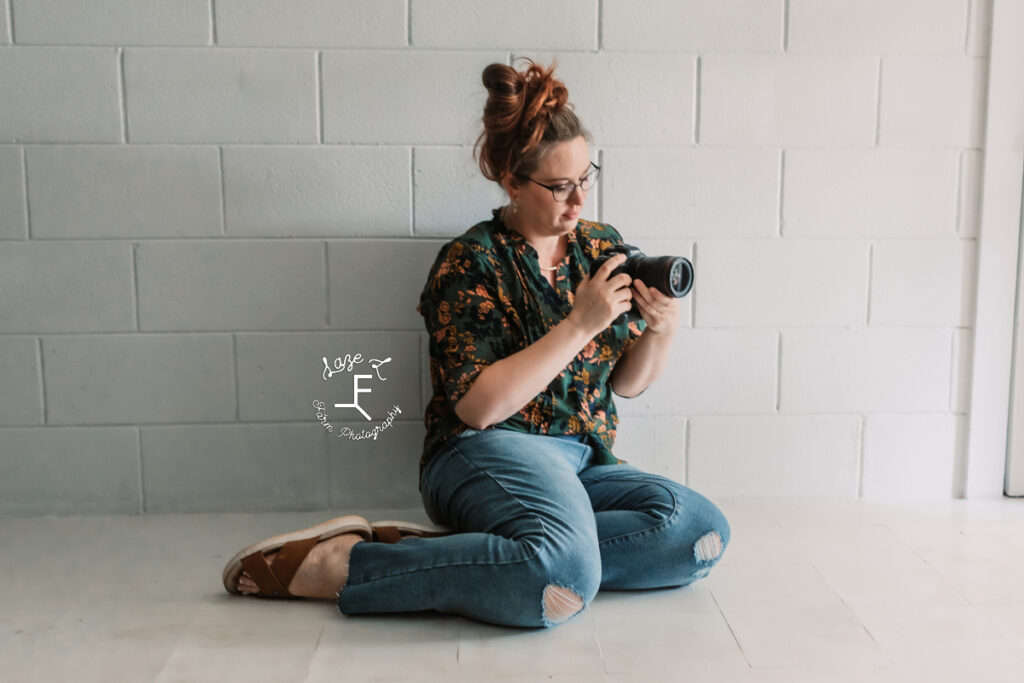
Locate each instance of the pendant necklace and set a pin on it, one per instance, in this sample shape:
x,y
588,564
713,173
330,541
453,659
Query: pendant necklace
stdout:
x,y
548,269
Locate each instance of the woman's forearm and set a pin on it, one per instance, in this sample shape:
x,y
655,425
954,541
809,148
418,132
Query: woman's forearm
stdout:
x,y
641,364
504,387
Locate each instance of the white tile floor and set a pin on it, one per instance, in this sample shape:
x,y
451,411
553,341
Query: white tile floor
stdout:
x,y
807,591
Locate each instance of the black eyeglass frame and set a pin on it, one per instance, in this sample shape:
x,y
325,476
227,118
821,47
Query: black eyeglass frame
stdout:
x,y
591,176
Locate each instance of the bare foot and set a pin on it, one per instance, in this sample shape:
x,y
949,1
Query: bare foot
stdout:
x,y
322,574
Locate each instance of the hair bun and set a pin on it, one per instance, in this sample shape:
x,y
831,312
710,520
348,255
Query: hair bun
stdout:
x,y
520,101
502,80
524,109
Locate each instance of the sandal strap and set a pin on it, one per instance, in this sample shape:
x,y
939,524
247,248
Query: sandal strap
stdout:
x,y
291,555
394,534
273,579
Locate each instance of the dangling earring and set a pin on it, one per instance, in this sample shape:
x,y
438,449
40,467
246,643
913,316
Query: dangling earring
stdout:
x,y
513,207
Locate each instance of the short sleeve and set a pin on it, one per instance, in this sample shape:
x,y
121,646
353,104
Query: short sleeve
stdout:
x,y
465,320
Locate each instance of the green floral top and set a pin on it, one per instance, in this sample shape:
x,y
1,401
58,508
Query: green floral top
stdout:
x,y
485,299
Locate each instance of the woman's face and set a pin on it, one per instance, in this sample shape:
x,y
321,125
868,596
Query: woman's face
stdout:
x,y
538,213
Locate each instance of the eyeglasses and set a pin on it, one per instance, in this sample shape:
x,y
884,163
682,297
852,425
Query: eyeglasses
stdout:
x,y
563,191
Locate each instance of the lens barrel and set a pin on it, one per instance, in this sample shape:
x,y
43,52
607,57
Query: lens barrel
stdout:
x,y
672,275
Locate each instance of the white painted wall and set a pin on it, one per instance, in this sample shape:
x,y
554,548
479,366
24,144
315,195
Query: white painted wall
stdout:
x,y
200,199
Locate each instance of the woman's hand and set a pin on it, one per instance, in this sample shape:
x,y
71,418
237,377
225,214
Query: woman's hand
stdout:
x,y
660,311
599,300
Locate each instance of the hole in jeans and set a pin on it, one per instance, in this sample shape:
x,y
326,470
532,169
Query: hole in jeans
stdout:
x,y
560,603
708,547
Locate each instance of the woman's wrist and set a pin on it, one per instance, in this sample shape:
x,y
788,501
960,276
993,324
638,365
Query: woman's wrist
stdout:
x,y
575,322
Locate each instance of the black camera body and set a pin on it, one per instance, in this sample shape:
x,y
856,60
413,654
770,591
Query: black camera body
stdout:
x,y
671,275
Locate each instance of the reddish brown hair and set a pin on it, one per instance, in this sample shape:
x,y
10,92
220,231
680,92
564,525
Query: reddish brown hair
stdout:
x,y
526,113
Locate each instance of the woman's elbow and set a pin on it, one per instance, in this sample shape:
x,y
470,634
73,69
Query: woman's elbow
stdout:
x,y
470,415
630,392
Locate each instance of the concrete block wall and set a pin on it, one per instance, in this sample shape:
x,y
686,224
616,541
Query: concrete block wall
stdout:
x,y
200,200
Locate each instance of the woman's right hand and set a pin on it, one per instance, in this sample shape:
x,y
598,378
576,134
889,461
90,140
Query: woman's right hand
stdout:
x,y
599,300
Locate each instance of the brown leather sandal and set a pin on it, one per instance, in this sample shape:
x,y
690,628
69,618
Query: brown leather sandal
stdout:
x,y
291,548
393,530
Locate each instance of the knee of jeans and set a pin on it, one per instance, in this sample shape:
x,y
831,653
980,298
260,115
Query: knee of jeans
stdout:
x,y
570,578
711,544
560,603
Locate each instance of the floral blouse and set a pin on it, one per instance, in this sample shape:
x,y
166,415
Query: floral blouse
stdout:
x,y
486,298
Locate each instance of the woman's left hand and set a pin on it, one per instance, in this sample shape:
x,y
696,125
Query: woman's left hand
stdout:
x,y
660,312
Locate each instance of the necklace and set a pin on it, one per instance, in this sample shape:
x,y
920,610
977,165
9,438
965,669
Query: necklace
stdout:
x,y
551,268
544,268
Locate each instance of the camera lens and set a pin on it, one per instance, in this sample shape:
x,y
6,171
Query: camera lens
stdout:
x,y
673,275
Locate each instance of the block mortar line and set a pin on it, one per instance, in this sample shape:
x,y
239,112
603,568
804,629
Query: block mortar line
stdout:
x,y
958,210
954,369
860,457
42,378
9,9
24,186
408,23
778,372
327,287
600,25
871,258
782,191
122,95
234,367
142,478
412,191
878,103
213,23
967,25
223,192
696,101
135,287
785,27
319,96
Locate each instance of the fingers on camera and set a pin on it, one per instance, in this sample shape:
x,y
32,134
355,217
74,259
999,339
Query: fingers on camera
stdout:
x,y
612,263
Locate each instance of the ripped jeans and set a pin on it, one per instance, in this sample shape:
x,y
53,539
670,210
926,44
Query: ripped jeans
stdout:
x,y
538,530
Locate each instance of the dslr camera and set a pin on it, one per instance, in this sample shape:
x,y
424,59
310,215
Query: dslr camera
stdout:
x,y
671,275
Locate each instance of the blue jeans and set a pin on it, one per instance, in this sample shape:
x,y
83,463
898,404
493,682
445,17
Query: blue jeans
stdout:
x,y
531,511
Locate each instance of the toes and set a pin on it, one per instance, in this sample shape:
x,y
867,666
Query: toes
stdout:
x,y
246,585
